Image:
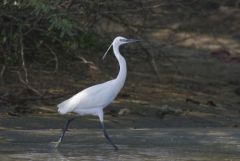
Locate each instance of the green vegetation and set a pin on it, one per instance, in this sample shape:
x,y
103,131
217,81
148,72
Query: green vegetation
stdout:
x,y
36,30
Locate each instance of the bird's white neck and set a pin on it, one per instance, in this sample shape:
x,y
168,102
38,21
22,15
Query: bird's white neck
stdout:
x,y
123,67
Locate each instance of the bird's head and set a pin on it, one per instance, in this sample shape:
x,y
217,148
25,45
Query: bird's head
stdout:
x,y
122,40
118,41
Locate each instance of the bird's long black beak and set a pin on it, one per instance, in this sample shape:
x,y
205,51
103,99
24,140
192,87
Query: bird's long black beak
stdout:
x,y
132,40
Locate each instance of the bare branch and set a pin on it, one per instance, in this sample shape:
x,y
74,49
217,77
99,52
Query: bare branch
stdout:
x,y
22,57
55,57
2,73
27,85
150,52
85,61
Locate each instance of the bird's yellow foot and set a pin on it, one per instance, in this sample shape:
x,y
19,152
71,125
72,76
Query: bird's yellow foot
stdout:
x,y
55,144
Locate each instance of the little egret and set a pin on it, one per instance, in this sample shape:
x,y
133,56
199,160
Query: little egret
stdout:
x,y
92,100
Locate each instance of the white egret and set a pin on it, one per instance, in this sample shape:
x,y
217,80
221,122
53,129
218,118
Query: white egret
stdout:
x,y
92,100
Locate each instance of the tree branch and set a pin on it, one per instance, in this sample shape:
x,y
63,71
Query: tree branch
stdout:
x,y
27,85
2,73
22,56
55,57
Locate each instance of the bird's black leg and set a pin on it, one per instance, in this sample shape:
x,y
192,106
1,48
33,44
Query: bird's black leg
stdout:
x,y
107,137
64,131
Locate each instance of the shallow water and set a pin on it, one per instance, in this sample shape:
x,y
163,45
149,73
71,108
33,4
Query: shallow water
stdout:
x,y
142,144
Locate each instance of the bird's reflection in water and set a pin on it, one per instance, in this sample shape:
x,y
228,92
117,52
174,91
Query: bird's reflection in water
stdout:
x,y
58,155
55,155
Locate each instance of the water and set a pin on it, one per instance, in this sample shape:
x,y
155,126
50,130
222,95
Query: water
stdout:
x,y
143,144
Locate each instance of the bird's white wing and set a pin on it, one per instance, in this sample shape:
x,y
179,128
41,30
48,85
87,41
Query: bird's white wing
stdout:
x,y
95,96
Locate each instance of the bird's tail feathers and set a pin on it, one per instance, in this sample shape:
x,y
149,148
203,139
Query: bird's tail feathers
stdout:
x,y
64,107
61,110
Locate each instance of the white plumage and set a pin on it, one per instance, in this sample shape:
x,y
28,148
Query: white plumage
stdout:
x,y
92,100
